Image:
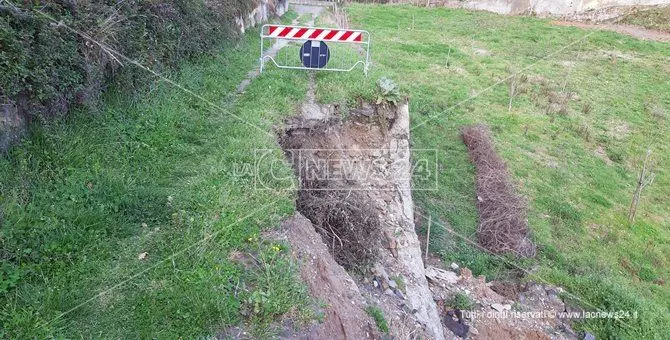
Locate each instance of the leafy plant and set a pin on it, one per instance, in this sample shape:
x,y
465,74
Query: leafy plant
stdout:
x,y
377,314
388,91
400,282
461,301
9,277
47,69
517,84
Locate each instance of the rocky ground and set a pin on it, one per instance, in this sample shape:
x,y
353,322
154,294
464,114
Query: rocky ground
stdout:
x,y
468,306
495,310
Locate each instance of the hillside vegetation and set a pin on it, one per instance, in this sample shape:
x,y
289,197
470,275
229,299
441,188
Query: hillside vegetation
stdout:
x,y
47,69
145,219
587,106
657,18
132,221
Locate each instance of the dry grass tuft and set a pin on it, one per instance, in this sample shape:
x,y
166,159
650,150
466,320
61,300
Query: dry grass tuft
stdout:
x,y
503,225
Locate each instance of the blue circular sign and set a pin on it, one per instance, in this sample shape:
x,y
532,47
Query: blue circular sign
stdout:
x,y
314,54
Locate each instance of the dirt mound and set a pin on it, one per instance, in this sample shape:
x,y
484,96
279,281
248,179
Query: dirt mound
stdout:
x,y
503,225
344,311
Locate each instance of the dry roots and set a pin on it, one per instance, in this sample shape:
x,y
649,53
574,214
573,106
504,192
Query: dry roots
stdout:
x,y
503,225
346,223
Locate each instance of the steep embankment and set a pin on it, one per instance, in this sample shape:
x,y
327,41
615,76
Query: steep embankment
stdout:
x,y
589,105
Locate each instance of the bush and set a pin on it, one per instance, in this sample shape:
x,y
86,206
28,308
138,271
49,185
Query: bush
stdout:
x,y
461,301
45,68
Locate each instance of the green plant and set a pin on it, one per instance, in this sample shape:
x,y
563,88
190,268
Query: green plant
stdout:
x,y
517,83
48,70
387,91
400,282
461,301
377,314
9,277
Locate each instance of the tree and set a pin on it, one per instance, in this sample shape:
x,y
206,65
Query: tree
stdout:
x,y
645,178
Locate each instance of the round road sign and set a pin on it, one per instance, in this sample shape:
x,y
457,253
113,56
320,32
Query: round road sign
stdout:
x,y
314,54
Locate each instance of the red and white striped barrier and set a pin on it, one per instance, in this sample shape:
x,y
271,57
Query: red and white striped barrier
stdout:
x,y
317,55
319,34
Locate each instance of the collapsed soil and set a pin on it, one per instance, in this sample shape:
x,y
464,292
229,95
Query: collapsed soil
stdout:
x,y
330,284
360,215
330,160
355,188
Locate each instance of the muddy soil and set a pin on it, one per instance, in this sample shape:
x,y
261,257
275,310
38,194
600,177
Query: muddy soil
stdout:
x,y
344,311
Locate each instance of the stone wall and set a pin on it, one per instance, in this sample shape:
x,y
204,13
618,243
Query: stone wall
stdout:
x,y
264,11
539,7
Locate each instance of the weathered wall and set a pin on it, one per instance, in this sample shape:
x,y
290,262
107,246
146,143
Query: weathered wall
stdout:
x,y
541,7
562,7
264,11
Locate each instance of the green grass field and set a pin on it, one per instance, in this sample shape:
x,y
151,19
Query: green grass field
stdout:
x,y
574,141
164,173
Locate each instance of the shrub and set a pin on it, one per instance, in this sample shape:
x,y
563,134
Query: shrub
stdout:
x,y
46,68
461,301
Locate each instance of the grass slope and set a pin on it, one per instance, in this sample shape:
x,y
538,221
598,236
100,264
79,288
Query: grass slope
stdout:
x,y
161,173
576,160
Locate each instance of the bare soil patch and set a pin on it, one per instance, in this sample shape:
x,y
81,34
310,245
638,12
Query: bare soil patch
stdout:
x,y
631,30
344,306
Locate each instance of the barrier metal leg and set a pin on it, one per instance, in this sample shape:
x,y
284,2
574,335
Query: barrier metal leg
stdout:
x,y
261,58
